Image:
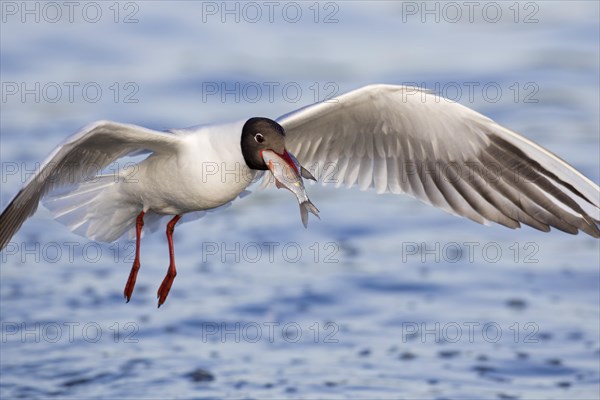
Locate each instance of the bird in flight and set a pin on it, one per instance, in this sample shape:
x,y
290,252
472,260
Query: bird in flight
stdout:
x,y
394,139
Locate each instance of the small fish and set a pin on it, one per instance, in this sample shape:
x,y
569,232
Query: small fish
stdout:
x,y
288,175
303,171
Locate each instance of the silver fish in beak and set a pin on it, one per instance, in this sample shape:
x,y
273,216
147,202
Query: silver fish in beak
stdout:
x,y
288,174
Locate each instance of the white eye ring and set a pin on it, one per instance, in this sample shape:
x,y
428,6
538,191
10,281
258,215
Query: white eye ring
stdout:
x,y
259,138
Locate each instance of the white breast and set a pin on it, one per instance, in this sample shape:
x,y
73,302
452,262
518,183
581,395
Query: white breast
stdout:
x,y
207,172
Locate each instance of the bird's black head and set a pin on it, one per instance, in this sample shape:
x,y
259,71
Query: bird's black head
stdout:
x,y
260,134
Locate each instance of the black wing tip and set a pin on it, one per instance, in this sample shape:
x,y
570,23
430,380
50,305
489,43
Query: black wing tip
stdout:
x,y
9,222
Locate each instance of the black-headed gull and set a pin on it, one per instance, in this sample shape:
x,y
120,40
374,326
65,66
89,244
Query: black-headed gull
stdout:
x,y
393,138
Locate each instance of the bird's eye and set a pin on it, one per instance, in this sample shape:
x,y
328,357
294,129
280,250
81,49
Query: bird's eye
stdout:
x,y
259,138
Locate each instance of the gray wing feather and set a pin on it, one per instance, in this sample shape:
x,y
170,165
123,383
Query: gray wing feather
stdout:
x,y
404,140
80,156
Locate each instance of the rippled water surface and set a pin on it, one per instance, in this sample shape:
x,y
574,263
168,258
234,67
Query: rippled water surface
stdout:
x,y
384,297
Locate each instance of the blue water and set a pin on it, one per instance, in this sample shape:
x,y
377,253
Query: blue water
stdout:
x,y
384,297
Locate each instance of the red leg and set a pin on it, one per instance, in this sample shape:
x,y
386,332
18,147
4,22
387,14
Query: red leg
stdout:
x,y
139,223
163,291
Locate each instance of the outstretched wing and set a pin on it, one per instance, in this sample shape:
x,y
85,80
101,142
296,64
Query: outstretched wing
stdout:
x,y
82,154
405,140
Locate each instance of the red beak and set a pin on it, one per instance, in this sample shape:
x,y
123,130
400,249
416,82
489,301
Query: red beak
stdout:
x,y
288,159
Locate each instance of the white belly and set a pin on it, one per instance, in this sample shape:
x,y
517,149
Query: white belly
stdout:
x,y
208,172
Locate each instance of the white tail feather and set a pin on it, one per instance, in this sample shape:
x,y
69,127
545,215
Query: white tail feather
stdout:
x,y
89,210
100,211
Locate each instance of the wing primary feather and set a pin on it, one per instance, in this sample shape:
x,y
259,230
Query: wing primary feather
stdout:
x,y
452,197
80,157
480,204
404,129
534,165
526,200
523,173
495,198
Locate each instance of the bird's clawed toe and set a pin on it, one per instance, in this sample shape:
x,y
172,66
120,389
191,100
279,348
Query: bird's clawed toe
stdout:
x,y
131,281
165,287
139,224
